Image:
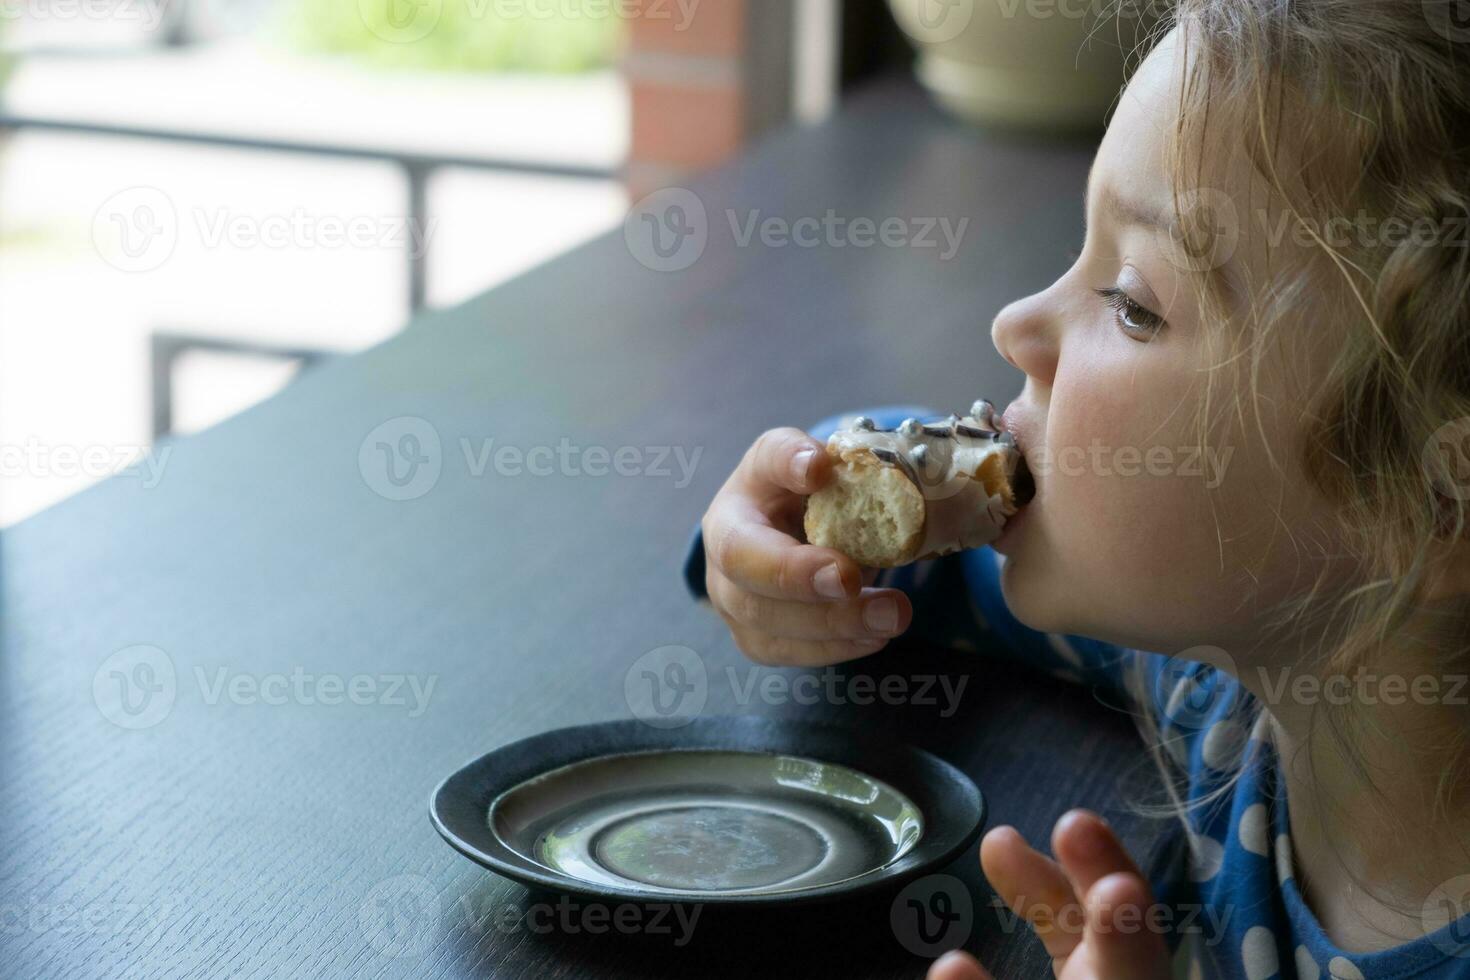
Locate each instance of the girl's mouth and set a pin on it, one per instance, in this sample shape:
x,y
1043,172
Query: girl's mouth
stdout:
x,y
1023,486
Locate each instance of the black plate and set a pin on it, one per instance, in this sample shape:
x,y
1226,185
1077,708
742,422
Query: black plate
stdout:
x,y
723,811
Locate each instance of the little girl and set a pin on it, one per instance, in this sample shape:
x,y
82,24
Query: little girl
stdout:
x,y
1275,281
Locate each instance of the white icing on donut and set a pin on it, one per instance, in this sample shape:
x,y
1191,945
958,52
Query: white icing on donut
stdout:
x,y
942,459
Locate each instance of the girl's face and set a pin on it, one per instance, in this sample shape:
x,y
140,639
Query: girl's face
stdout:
x,y
1139,534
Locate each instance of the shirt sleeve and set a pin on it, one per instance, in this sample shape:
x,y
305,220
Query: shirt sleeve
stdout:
x,y
958,602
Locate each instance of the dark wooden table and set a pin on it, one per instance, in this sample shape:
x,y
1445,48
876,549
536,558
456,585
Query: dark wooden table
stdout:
x,y
257,804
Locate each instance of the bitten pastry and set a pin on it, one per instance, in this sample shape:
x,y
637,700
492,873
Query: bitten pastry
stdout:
x,y
918,491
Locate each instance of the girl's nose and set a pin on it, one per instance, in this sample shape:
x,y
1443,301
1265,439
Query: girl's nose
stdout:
x,y
1025,334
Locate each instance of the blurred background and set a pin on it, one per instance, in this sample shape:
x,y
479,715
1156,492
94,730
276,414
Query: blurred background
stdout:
x,y
200,199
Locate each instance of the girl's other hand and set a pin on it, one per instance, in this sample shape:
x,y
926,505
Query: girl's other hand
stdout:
x,y
1090,908
788,603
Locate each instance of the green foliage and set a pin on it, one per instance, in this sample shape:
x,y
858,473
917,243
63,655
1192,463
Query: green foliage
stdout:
x,y
463,35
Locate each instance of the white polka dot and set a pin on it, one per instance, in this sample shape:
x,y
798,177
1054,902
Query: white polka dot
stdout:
x,y
1205,856
1306,967
1283,858
1064,649
1223,743
1258,954
1255,836
1342,968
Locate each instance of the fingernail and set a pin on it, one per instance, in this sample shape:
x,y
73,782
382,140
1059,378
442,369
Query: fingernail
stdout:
x,y
828,582
881,616
800,463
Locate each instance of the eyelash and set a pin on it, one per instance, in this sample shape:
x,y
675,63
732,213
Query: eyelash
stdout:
x,y
1132,318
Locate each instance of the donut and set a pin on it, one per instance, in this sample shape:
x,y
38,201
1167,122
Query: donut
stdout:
x,y
918,491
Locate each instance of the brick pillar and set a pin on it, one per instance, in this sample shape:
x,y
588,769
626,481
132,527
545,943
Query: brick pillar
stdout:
x,y
705,76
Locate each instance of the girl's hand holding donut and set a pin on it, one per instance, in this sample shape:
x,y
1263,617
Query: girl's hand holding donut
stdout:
x,y
789,603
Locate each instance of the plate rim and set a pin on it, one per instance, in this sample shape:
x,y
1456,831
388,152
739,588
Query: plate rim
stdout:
x,y
473,786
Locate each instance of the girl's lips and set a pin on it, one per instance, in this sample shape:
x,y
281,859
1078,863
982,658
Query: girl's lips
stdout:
x,y
1023,484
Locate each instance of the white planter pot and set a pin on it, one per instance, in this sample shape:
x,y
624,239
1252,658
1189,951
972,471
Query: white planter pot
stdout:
x,y
1033,64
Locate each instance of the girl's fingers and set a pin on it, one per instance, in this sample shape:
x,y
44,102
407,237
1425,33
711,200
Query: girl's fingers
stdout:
x,y
1120,940
957,965
780,651
1089,850
876,613
784,460
1035,889
758,558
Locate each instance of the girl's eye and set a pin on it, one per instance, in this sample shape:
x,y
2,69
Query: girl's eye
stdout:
x,y
1137,321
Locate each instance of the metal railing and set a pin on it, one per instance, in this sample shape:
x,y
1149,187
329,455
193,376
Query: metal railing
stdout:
x,y
416,169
